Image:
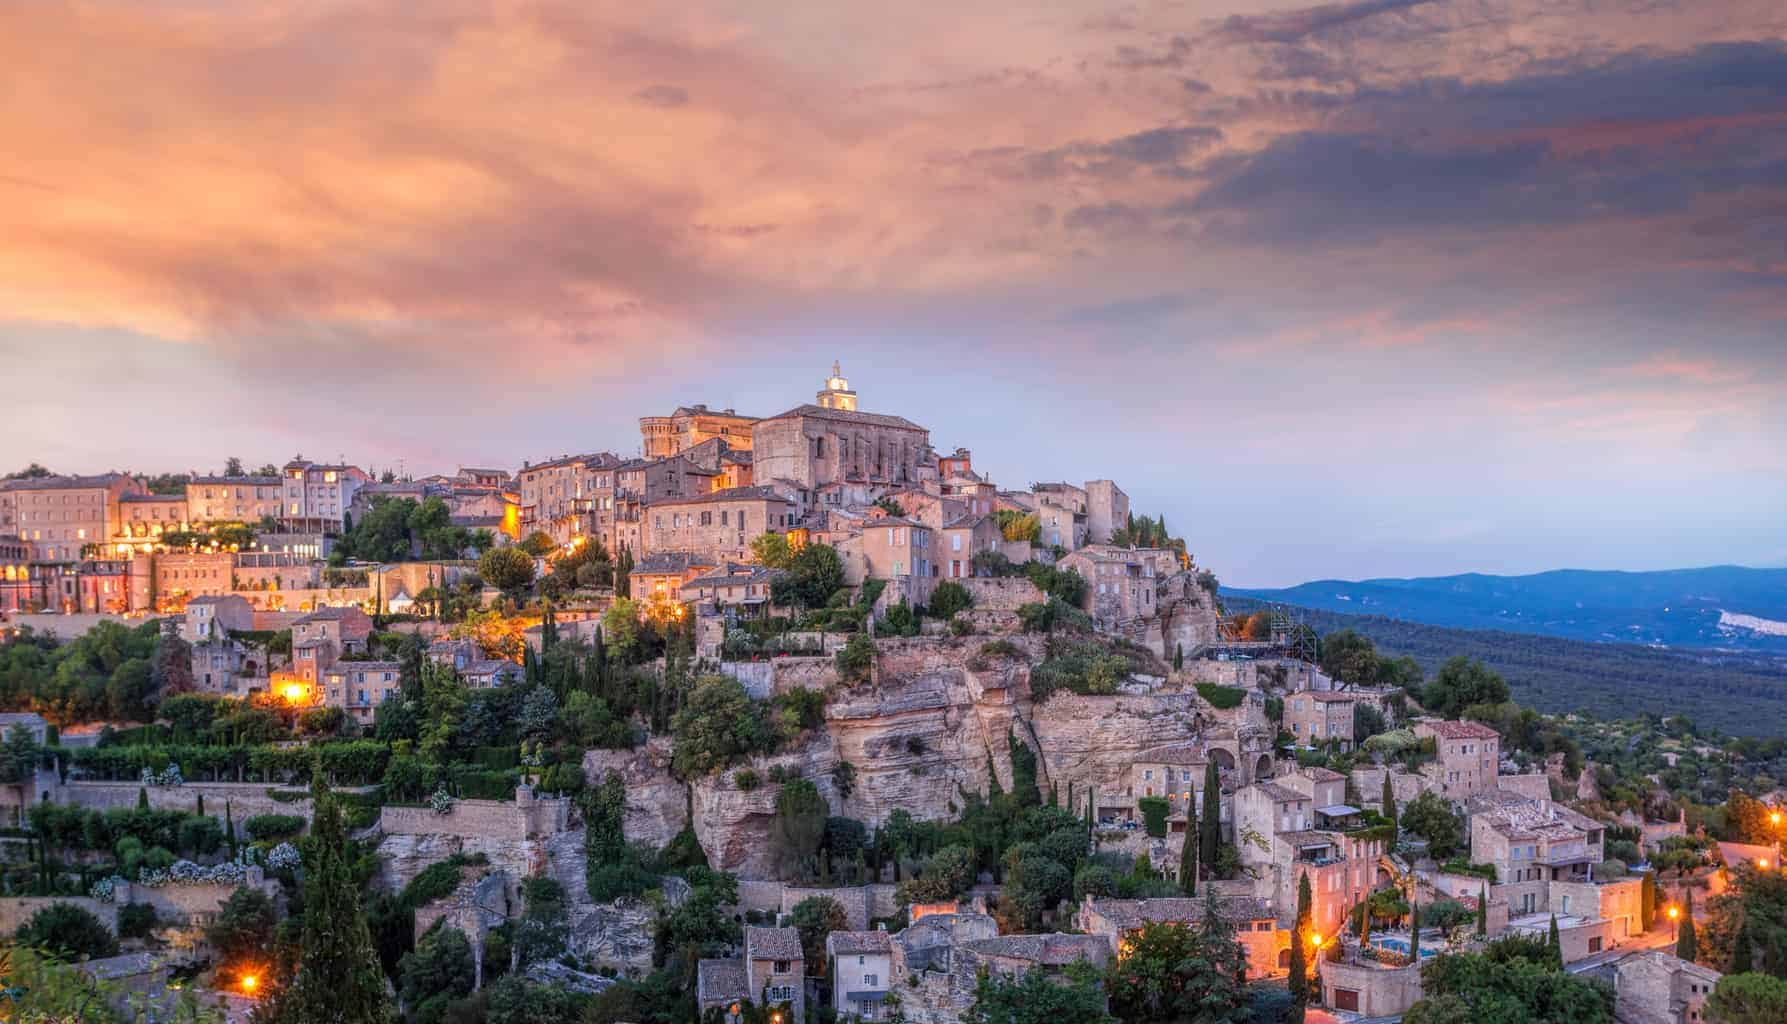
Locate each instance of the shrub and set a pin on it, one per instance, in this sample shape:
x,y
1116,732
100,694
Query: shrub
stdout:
x,y
268,827
949,598
960,626
243,930
135,920
1446,914
1154,815
856,658
68,931
746,779
1222,698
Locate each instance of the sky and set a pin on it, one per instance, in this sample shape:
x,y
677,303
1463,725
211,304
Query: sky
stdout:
x,y
1379,288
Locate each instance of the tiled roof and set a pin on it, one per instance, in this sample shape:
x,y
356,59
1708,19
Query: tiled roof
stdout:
x,y
1536,819
61,483
154,498
1182,910
330,614
772,944
1321,774
238,481
1051,950
718,981
661,562
869,524
1453,729
1278,794
858,943
736,572
849,416
1333,698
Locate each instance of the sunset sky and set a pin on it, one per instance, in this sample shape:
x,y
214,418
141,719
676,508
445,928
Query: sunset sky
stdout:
x,y
1392,287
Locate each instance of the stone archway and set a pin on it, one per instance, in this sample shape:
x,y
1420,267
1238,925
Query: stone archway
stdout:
x,y
1262,768
1225,761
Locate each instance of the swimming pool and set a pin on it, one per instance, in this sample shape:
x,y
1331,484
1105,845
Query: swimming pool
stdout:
x,y
1396,945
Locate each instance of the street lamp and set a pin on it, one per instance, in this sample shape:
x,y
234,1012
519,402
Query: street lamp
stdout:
x,y
1675,914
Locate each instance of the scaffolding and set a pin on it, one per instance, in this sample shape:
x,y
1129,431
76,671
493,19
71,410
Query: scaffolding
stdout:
x,y
1286,635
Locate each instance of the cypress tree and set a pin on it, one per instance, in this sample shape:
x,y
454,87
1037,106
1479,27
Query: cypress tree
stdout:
x,y
1482,910
1299,979
1687,945
1188,860
1389,803
1092,809
1365,923
1178,657
1555,945
1647,902
1054,793
229,829
548,629
142,799
200,809
1414,931
1742,959
338,976
1069,804
1210,830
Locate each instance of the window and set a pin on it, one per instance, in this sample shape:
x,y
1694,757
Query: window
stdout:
x,y
871,980
781,967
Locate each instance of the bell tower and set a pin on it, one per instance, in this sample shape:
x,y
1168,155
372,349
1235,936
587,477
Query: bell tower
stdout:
x,y
836,393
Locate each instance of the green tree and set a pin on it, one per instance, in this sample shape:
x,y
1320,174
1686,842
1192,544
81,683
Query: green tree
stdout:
x,y
1172,973
1647,901
338,976
947,874
1554,946
1687,945
68,931
1387,801
771,549
799,824
815,572
1299,968
507,569
242,932
1748,999
1350,657
439,970
1188,862
443,708
1461,683
816,917
1431,817
1210,827
718,725
1482,910
1037,998
949,598
544,930
536,545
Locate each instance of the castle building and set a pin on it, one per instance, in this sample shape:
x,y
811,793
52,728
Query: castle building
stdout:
x,y
834,454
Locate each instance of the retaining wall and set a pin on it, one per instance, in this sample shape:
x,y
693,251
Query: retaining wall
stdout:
x,y
16,910
1003,594
245,799
523,818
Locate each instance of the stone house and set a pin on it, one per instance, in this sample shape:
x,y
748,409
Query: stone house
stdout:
x,y
60,515
1176,772
1254,924
1299,825
1316,718
964,537
1652,987
238,499
660,576
1468,756
1107,510
324,636
902,552
317,496
1532,843
719,525
568,497
743,588
359,687
17,797
1121,582
775,972
860,965
142,518
213,616
181,576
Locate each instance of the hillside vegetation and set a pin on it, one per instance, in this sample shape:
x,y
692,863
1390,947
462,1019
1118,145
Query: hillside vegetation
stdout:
x,y
1741,694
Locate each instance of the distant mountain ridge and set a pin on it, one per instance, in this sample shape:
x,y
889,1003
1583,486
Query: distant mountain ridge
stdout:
x,y
1723,607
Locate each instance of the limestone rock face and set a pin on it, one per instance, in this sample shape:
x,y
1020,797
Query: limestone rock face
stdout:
x,y
657,804
1094,739
402,857
618,934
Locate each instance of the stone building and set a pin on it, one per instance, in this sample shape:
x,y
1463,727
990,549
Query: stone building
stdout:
x,y
59,516
861,971
1061,515
1107,510
744,589
569,497
181,576
213,616
359,687
233,499
660,576
1317,718
1254,924
143,518
1297,825
717,526
1532,843
963,538
691,425
317,495
772,973
1120,582
1176,772
1468,756
835,455
322,637
20,589
1652,987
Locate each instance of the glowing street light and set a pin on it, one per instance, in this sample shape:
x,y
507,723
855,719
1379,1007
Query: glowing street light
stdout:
x,y
1675,914
250,982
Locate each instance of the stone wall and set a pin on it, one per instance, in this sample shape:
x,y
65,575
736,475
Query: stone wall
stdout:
x,y
1004,594
657,802
245,799
861,903
523,818
754,676
16,910
1381,992
811,673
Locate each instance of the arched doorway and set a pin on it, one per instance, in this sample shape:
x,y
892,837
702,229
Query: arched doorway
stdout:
x,y
1224,760
1262,769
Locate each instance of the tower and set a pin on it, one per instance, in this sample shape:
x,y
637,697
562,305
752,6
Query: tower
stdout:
x,y
836,393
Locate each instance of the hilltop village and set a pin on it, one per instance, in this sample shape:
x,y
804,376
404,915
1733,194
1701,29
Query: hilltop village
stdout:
x,y
792,718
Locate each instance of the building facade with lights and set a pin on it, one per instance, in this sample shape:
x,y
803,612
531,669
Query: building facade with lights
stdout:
x,y
691,425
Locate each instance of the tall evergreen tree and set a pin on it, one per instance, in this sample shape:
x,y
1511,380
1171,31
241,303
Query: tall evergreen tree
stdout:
x,y
229,829
142,798
623,569
1687,944
1482,910
1414,930
1554,946
1742,957
1091,809
1299,979
199,809
548,629
1210,829
1389,802
1188,861
1054,793
338,979
1647,902
1178,657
